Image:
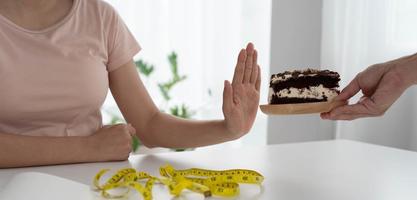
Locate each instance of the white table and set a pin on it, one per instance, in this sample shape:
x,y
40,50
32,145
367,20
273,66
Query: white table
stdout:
x,y
326,170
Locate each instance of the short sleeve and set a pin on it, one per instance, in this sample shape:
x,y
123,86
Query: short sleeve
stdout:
x,y
121,44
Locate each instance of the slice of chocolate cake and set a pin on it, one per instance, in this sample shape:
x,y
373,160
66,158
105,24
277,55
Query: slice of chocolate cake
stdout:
x,y
303,86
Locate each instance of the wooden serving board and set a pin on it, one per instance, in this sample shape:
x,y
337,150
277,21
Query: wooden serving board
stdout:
x,y
300,108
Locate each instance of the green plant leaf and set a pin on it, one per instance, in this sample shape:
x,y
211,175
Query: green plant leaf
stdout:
x,y
164,92
144,68
116,119
181,111
173,63
180,79
135,143
180,150
165,87
184,112
174,111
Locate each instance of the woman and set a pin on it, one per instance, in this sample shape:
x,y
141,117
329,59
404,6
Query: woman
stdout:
x,y
57,60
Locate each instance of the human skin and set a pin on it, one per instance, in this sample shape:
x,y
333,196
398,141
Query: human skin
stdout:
x,y
381,85
154,128
157,129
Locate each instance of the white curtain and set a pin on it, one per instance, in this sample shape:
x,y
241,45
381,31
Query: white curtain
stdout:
x,y
359,33
207,36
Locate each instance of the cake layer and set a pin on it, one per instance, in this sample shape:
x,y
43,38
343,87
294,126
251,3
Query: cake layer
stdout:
x,y
288,100
280,77
302,95
306,81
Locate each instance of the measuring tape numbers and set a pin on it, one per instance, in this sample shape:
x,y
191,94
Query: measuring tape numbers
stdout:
x,y
223,183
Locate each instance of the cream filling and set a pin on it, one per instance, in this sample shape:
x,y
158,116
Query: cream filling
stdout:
x,y
276,78
317,92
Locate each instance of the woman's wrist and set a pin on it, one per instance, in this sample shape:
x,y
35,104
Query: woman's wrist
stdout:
x,y
231,134
407,68
413,69
79,149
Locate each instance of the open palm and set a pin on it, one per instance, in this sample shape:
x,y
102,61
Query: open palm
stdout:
x,y
241,98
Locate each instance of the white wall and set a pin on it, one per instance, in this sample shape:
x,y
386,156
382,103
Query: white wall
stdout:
x,y
357,34
413,143
296,43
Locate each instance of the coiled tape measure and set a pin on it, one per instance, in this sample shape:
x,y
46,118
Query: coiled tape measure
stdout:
x,y
206,182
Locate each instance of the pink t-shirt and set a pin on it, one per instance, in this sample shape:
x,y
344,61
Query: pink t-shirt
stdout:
x,y
54,81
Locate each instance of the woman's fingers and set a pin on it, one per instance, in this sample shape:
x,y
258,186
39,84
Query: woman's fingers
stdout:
x,y
227,96
366,107
358,108
255,69
350,90
249,63
240,67
247,70
258,80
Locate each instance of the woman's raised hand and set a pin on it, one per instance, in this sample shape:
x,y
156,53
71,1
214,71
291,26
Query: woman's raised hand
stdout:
x,y
241,97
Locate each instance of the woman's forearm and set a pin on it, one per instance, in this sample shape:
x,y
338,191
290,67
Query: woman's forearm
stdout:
x,y
172,132
23,151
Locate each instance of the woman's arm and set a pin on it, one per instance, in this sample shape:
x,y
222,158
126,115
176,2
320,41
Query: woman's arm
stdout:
x,y
381,85
408,66
22,151
154,128
107,144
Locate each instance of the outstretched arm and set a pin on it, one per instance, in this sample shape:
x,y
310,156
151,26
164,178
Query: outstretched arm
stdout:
x,y
154,128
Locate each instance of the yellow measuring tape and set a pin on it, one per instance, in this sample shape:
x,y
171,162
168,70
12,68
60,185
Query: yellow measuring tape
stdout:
x,y
206,182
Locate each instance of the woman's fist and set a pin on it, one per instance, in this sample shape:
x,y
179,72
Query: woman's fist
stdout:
x,y
113,143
